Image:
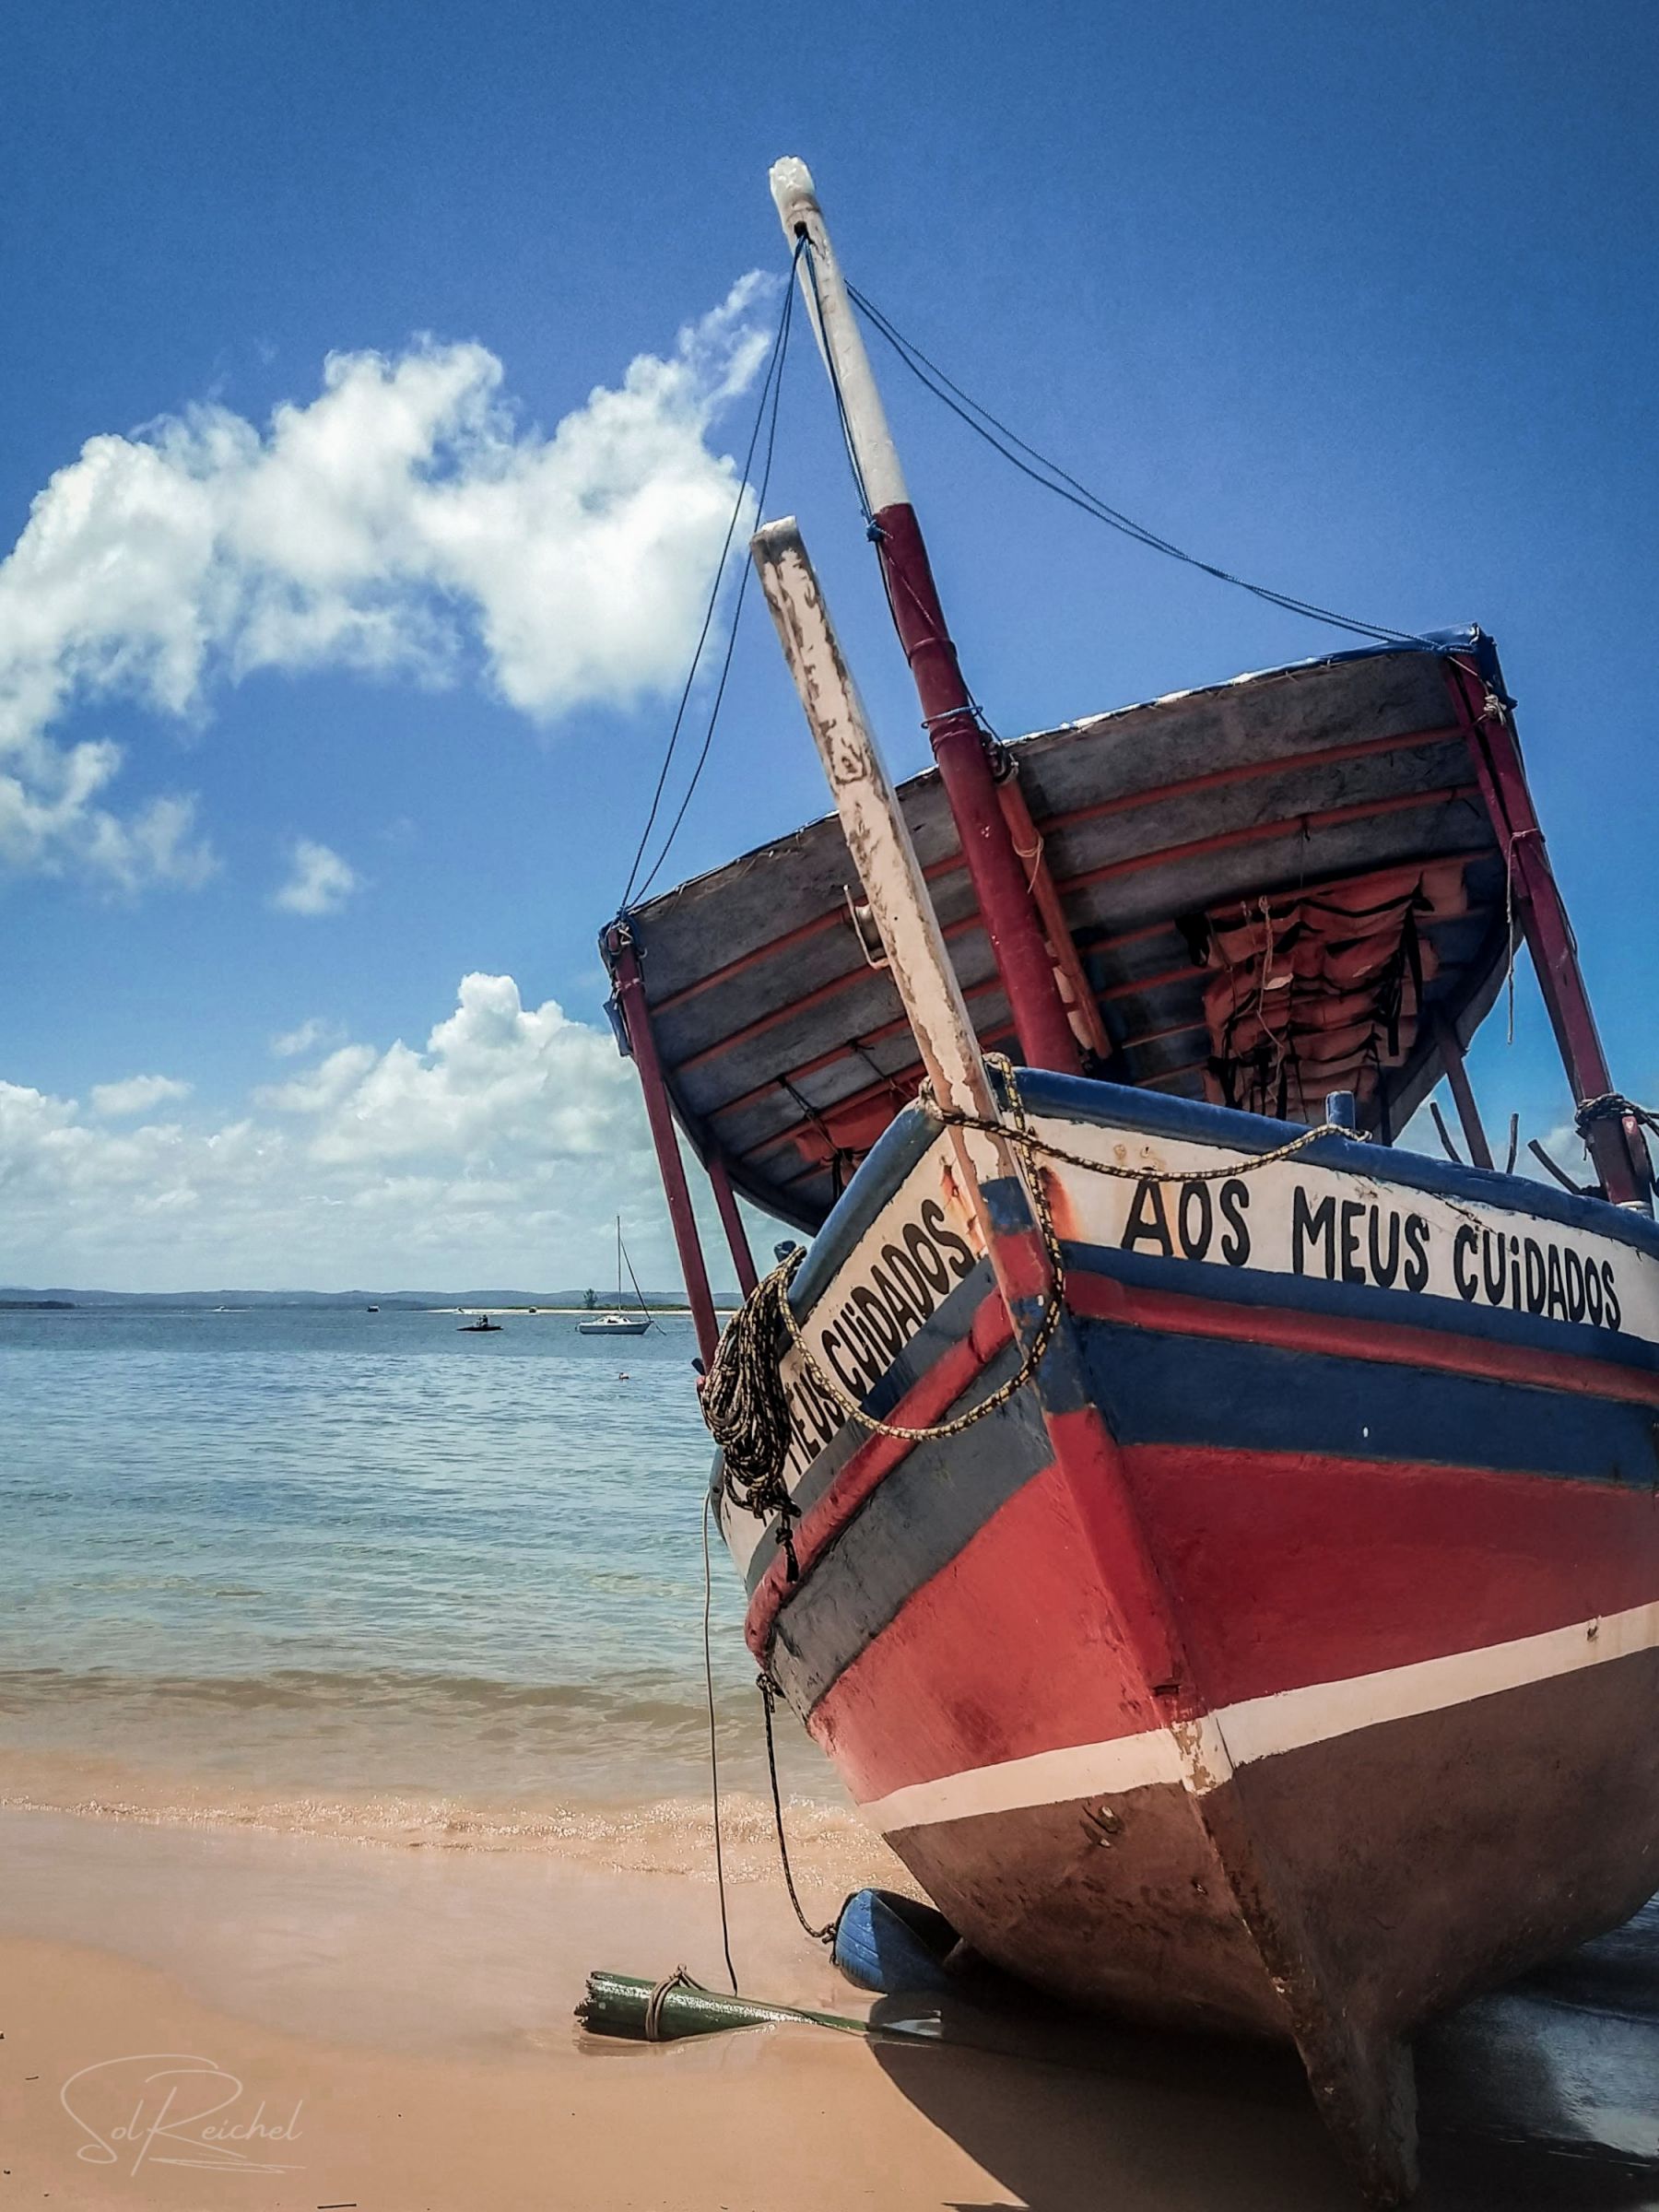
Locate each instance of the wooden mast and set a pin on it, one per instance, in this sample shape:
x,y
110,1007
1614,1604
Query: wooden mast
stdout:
x,y
877,835
1001,884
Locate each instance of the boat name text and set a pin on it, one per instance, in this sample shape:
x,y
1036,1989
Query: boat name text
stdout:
x,y
1367,1242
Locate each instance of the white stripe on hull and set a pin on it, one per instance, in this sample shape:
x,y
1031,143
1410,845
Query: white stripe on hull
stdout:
x,y
1265,1727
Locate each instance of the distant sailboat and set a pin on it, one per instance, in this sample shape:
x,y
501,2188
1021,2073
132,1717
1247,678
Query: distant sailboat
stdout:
x,y
618,1324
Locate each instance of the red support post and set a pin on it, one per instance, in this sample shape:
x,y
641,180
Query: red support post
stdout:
x,y
1081,1012
1006,903
1617,1147
636,1019
731,1221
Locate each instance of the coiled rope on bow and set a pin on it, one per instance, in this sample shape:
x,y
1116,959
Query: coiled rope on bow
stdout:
x,y
744,1404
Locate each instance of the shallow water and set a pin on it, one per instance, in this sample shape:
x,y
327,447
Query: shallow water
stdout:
x,y
272,1557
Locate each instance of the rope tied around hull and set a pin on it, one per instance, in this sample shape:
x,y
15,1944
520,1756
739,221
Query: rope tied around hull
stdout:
x,y
744,1409
745,1404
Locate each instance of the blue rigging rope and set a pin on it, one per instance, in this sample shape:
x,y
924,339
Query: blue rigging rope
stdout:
x,y
1052,477
771,386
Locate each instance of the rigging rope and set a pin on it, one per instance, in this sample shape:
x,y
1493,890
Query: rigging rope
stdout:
x,y
771,386
725,1928
871,527
768,1691
633,1278
1049,474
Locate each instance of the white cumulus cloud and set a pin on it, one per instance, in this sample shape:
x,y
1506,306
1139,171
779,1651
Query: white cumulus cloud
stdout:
x,y
495,1076
138,1094
404,520
306,1037
494,1152
319,880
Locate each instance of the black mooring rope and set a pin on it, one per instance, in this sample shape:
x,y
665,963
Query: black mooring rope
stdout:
x,y
726,1925
768,1691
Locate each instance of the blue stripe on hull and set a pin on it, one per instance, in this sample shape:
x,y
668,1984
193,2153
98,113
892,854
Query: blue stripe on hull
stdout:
x,y
1157,1388
1363,1302
1221,1393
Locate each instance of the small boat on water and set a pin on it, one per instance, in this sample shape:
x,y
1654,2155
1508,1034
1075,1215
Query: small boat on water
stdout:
x,y
483,1326
613,1324
1215,1546
617,1322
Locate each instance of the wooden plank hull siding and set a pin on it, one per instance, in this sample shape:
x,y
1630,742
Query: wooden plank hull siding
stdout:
x,y
1389,1432
785,1048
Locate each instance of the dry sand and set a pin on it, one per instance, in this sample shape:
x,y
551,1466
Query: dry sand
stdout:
x,y
403,2017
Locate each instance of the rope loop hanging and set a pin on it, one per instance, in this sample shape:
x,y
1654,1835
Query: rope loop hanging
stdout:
x,y
769,1694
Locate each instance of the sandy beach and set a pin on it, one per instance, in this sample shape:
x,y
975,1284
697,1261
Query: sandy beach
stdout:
x,y
403,2016
346,1724
383,2026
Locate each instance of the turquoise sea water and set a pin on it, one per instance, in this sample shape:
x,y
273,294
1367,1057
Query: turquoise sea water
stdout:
x,y
323,1551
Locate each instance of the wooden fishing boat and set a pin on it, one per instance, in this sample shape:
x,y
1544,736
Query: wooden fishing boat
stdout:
x,y
1216,1548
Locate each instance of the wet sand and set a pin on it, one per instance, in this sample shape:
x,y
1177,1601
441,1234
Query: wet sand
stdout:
x,y
402,2016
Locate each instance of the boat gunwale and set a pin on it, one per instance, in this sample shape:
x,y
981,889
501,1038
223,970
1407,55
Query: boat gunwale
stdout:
x,y
805,1196
1097,1102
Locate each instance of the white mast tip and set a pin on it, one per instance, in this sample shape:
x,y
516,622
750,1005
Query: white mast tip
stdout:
x,y
792,190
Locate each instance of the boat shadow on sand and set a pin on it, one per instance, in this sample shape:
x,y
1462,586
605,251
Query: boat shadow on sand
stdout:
x,y
1544,2094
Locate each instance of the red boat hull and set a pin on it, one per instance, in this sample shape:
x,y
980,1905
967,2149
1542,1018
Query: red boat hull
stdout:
x,y
1284,1662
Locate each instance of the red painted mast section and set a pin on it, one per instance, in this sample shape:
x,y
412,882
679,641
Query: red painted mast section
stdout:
x,y
636,1019
1617,1147
1004,892
1000,884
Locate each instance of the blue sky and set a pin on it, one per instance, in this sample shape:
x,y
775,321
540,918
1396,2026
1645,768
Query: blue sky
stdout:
x,y
1359,302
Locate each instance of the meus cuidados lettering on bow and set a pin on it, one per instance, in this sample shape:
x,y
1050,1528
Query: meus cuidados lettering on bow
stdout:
x,y
1319,1224
1289,1218
1379,1242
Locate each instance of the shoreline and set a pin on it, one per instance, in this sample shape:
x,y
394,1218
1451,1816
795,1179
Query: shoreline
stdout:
x,y
668,1832
417,2008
